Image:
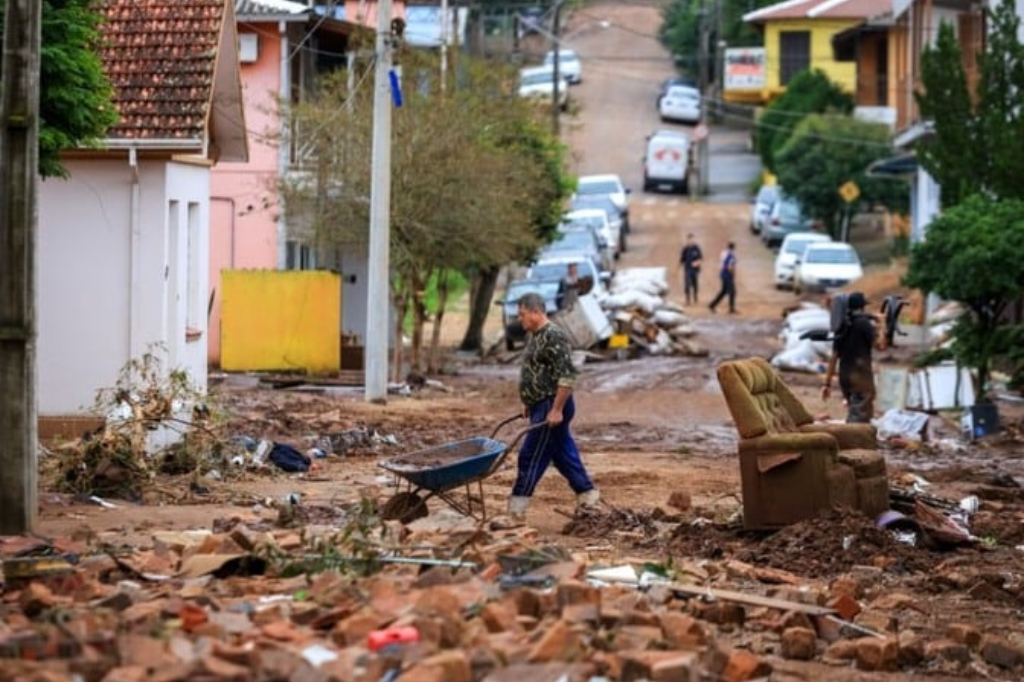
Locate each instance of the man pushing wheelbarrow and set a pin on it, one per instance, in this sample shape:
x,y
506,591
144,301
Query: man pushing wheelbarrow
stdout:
x,y
545,388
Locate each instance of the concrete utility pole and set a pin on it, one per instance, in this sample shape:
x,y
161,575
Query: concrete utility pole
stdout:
x,y
444,44
19,161
556,32
702,77
378,303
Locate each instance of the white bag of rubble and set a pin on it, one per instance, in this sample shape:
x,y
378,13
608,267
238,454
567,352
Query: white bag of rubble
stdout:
x,y
800,358
651,280
664,317
806,320
632,298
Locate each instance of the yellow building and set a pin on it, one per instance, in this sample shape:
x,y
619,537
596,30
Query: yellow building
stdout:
x,y
798,35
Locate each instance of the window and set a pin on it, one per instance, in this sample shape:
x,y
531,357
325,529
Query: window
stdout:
x,y
795,51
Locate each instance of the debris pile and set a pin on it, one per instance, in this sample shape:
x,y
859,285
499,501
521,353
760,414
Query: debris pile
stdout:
x,y
349,598
640,311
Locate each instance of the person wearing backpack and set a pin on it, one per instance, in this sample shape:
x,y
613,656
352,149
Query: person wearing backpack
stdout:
x,y
854,341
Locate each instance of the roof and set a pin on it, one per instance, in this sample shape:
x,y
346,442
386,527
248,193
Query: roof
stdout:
x,y
161,57
249,10
819,9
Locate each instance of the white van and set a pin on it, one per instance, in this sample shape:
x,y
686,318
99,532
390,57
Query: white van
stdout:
x,y
666,161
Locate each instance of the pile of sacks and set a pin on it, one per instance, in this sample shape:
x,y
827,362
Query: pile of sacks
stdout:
x,y
801,354
638,305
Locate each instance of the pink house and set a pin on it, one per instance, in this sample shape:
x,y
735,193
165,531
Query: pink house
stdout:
x,y
283,47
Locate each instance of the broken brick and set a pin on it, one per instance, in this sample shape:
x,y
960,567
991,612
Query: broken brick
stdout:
x,y
877,653
799,643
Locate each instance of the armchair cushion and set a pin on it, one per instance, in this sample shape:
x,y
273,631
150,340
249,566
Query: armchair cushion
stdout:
x,y
758,400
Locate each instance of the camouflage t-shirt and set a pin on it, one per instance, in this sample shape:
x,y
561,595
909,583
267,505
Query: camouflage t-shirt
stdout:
x,y
547,364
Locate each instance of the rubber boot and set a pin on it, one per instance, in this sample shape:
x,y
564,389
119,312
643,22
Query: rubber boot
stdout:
x,y
517,506
590,499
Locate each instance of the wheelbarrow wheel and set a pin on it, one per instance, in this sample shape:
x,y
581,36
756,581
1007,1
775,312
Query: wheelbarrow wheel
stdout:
x,y
405,507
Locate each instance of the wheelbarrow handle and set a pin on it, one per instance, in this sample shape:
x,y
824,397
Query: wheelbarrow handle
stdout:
x,y
511,446
504,422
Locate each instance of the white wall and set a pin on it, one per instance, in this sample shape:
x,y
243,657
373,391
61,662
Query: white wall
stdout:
x,y
105,296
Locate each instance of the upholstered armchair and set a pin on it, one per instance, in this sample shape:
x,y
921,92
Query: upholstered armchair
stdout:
x,y
792,467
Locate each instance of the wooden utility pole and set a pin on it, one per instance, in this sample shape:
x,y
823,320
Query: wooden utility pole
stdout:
x,y
19,152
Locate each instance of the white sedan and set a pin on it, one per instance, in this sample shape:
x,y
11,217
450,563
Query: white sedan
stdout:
x,y
680,103
792,249
825,266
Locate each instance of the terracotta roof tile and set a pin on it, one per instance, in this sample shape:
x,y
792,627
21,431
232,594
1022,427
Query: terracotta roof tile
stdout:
x,y
160,57
804,9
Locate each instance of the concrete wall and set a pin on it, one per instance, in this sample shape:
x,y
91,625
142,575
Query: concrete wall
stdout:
x,y
122,267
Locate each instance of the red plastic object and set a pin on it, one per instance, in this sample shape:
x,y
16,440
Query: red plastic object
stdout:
x,y
378,639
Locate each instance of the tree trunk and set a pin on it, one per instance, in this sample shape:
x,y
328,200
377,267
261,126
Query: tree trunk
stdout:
x,y
479,307
401,299
434,358
419,316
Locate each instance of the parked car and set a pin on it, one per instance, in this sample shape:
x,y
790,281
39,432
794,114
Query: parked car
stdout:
x,y
787,215
538,82
611,185
673,80
616,226
791,250
667,161
550,289
825,266
596,220
579,240
569,65
680,103
761,206
557,267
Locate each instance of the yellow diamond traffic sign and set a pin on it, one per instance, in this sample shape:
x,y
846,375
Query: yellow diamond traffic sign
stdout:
x,y
849,191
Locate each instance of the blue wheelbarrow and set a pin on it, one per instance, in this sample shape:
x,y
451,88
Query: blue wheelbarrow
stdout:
x,y
447,472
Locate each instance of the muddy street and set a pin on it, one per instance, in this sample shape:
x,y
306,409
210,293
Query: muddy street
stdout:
x,y
659,441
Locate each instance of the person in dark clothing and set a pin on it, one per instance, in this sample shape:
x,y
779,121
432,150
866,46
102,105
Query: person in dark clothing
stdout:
x,y
691,259
851,352
546,380
727,274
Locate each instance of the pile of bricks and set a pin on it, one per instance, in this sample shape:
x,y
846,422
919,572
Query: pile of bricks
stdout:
x,y
211,607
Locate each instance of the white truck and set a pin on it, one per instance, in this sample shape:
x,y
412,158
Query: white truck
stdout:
x,y
667,161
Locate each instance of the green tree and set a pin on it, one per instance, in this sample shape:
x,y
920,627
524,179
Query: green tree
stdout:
x,y
829,150
469,190
978,141
809,92
75,103
972,255
681,27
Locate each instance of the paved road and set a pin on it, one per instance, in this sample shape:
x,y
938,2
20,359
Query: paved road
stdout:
x,y
623,66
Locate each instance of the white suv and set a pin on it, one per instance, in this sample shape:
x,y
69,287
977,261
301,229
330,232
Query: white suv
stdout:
x,y
608,184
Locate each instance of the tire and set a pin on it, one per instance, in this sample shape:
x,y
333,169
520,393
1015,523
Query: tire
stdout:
x,y
405,507
684,188
509,343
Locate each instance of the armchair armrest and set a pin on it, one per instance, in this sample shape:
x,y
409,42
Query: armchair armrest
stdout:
x,y
775,450
794,441
849,436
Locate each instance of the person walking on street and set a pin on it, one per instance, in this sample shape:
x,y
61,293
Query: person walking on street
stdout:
x,y
571,285
851,351
726,273
690,259
546,381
